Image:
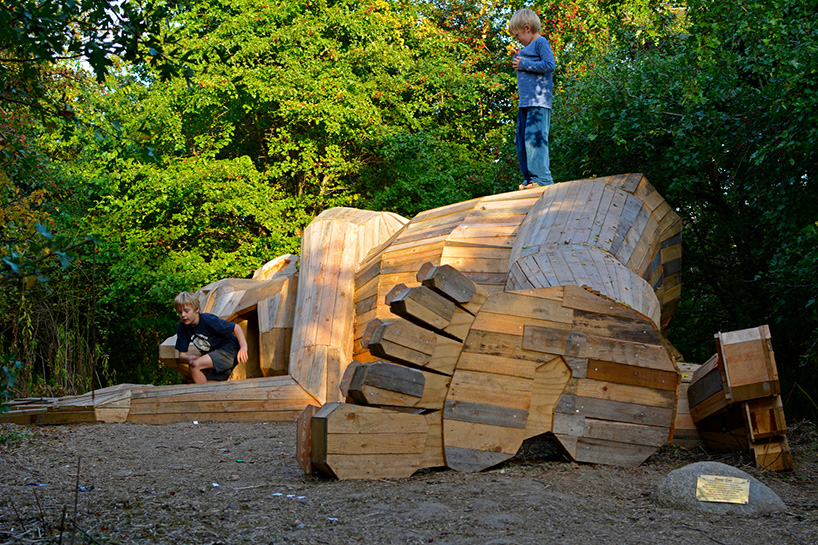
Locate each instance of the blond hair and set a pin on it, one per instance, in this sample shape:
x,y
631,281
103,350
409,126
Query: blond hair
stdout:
x,y
524,17
186,299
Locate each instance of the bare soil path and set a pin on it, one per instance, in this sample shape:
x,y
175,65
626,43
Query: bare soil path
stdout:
x,y
217,483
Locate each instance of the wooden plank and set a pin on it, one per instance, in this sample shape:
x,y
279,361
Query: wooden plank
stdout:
x,y
456,208
399,259
389,377
421,305
471,266
578,298
626,393
485,413
539,218
517,280
345,418
573,213
628,374
352,441
542,304
424,234
510,325
473,447
367,273
595,451
304,439
156,407
346,379
550,380
578,366
612,216
630,211
576,265
646,245
335,369
403,333
594,268
634,413
708,407
622,432
578,344
565,211
507,365
626,328
220,416
624,278
705,368
426,242
373,466
703,387
539,271
333,261
601,273
505,391
595,229
634,233
589,214
218,389
748,365
380,443
447,281
434,456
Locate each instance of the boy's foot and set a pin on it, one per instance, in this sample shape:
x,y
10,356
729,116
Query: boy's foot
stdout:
x,y
528,186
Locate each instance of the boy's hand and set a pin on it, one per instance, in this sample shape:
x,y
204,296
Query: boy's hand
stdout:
x,y
243,357
515,62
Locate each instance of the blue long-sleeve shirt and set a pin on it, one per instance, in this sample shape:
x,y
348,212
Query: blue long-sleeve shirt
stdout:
x,y
535,82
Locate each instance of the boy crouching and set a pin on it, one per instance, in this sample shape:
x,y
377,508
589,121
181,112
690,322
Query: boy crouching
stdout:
x,y
221,343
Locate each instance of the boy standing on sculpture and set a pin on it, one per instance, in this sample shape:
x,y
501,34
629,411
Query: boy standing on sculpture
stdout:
x,y
221,343
534,64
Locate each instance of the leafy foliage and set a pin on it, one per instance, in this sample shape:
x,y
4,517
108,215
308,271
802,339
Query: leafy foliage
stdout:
x,y
8,381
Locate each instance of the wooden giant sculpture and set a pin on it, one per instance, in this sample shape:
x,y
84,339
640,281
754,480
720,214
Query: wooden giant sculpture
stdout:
x,y
456,336
486,322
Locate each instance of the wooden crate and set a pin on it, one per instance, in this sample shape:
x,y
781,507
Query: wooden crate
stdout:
x,y
747,364
734,399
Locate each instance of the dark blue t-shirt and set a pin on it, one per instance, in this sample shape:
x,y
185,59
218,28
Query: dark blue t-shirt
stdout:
x,y
209,334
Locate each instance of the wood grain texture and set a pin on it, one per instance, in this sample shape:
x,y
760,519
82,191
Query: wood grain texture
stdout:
x,y
334,245
603,234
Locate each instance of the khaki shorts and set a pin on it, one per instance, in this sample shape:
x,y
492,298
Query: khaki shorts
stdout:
x,y
224,360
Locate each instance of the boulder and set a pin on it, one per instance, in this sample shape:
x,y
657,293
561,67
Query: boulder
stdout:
x,y
678,491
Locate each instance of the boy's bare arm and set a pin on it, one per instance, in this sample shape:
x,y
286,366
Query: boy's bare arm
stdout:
x,y
242,356
187,358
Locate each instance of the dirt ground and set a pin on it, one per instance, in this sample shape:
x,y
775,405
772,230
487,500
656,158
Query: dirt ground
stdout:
x,y
240,483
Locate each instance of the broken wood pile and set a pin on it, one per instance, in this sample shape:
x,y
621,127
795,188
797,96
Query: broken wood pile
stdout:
x,y
260,399
105,405
735,399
